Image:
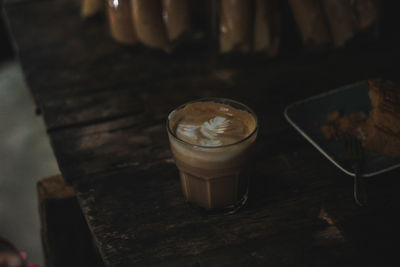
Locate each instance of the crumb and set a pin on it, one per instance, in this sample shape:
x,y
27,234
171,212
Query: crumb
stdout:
x,y
328,131
349,122
333,116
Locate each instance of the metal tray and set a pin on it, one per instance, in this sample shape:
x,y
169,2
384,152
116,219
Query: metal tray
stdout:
x,y
306,114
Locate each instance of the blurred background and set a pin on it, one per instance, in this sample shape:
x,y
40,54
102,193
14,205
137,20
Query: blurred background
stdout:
x,y
25,155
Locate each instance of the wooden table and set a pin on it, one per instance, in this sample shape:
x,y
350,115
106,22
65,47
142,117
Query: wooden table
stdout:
x,y
105,106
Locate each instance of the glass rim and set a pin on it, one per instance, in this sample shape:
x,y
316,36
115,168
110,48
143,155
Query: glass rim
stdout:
x,y
217,100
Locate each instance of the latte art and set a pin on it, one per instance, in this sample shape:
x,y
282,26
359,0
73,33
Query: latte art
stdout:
x,y
212,124
206,134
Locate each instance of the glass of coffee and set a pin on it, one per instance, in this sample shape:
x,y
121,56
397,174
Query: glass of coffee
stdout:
x,y
212,141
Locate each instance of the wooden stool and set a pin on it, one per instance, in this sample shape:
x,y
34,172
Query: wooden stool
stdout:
x,y
66,238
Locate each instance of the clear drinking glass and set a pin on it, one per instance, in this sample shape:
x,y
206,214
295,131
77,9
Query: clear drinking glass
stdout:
x,y
215,178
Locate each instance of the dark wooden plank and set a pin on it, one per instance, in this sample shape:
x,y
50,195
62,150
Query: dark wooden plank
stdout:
x,y
141,139
297,214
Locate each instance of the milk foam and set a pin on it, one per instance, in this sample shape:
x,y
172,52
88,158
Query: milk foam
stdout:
x,y
212,124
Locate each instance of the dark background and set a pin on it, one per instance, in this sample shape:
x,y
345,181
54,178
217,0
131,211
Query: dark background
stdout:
x,y
388,30
6,51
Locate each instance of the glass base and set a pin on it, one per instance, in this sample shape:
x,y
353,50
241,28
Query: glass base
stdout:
x,y
231,209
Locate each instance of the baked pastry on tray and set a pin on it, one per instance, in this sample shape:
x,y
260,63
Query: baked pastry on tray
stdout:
x,y
382,128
